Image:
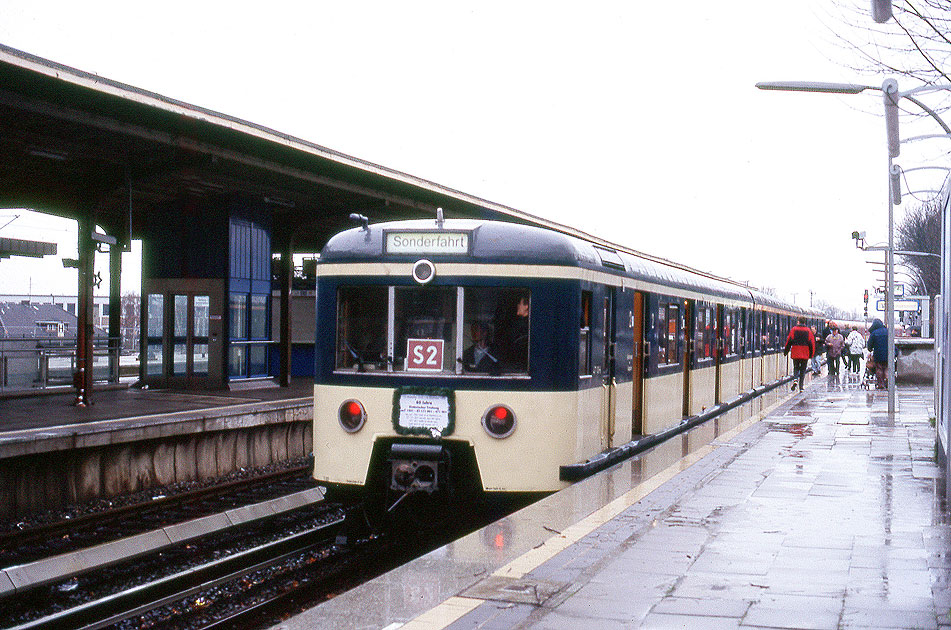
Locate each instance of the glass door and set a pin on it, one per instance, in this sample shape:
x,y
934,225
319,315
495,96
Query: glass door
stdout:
x,y
177,338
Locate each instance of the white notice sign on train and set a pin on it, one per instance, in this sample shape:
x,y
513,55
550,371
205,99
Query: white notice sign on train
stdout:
x,y
424,411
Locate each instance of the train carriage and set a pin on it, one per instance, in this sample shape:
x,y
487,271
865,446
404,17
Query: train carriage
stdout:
x,y
466,356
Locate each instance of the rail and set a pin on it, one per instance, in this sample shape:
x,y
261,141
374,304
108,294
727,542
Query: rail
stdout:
x,y
31,363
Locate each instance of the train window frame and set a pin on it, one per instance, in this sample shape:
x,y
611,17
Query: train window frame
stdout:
x,y
585,366
450,318
425,312
667,313
728,333
496,319
704,334
348,358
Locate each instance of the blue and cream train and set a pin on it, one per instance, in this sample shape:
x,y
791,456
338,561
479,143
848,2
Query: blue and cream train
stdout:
x,y
467,356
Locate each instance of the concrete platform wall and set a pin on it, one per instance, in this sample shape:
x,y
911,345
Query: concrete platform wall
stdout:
x,y
54,468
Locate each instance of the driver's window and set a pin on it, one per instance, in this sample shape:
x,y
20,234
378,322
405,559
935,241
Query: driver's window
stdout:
x,y
361,328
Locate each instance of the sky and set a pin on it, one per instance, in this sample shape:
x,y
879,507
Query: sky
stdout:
x,y
636,122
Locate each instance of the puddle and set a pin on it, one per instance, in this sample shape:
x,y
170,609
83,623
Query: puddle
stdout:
x,y
800,429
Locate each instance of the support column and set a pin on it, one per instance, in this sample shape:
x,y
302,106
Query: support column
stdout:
x,y
83,378
115,311
287,278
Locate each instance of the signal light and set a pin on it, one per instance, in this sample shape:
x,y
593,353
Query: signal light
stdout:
x,y
499,421
866,296
352,416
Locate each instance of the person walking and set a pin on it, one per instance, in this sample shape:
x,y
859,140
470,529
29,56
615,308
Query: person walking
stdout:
x,y
855,342
878,352
834,344
820,350
800,345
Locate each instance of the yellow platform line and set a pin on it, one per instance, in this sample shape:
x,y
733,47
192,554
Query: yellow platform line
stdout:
x,y
455,607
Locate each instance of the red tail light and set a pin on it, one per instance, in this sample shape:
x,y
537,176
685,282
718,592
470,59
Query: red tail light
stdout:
x,y
499,421
352,416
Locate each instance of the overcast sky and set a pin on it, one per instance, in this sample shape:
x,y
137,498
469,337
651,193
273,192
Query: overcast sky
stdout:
x,y
638,122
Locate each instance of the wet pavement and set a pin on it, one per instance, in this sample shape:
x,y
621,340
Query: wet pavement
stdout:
x,y
827,513
56,407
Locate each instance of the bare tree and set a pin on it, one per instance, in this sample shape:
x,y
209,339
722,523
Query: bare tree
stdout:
x,y
920,231
834,312
915,43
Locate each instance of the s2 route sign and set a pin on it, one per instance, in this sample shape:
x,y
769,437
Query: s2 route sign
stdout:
x,y
424,355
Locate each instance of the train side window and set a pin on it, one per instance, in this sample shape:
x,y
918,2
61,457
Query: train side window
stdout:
x,y
361,329
729,332
584,340
668,322
703,333
741,315
708,333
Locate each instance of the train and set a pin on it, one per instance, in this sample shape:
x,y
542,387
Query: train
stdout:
x,y
465,357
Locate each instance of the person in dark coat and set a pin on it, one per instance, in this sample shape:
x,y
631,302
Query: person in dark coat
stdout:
x,y
800,345
511,335
478,357
877,345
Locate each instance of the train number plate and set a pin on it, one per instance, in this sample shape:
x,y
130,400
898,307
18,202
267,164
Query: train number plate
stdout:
x,y
424,413
424,355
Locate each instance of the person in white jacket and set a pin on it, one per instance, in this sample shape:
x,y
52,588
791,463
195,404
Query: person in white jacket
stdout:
x,y
856,344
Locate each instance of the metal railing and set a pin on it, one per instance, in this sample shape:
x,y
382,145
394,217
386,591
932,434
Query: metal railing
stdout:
x,y
30,363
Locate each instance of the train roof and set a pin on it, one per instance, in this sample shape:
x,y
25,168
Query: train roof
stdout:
x,y
513,243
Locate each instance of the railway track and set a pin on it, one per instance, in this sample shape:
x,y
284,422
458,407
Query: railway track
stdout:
x,y
28,543
103,595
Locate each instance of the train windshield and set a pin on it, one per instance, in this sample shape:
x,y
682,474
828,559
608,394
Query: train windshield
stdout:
x,y
433,330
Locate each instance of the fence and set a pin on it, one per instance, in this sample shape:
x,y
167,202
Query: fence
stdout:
x,y
29,363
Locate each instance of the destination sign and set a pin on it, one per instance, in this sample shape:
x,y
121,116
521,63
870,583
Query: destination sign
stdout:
x,y
441,242
901,306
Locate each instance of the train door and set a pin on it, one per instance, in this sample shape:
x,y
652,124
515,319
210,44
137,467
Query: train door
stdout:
x,y
687,338
637,366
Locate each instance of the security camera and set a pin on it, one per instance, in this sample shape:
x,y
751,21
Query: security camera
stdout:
x,y
859,236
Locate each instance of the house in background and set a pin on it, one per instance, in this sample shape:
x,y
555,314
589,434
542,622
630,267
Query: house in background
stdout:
x,y
38,344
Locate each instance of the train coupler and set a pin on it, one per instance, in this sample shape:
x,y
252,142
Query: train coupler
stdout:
x,y
417,468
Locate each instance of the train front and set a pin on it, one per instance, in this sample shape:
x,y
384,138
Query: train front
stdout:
x,y
426,379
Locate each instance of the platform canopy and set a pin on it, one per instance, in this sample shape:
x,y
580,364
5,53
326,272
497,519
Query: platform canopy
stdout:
x,y
18,247
74,143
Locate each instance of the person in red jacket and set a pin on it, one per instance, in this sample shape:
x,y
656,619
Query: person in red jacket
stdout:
x,y
802,343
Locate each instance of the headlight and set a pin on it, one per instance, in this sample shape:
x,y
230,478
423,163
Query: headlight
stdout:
x,y
352,416
499,421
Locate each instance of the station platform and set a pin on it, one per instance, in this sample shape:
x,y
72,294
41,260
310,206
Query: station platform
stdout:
x,y
55,456
817,511
49,408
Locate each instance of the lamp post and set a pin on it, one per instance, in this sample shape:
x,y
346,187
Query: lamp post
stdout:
x,y
891,95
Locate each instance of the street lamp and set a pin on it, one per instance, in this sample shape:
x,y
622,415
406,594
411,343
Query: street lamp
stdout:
x,y
890,95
